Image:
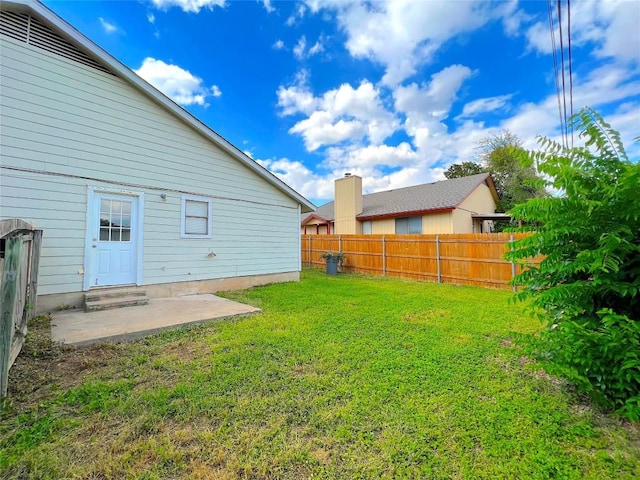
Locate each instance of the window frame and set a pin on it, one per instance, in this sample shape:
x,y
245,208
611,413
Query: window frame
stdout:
x,y
183,216
408,220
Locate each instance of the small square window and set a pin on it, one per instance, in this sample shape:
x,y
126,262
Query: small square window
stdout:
x,y
196,219
366,227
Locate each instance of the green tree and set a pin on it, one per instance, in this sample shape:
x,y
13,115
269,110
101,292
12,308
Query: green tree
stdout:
x,y
463,169
516,183
587,284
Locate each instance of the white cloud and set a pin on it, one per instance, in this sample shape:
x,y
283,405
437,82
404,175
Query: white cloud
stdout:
x,y
108,27
381,167
426,106
539,37
341,123
432,100
371,157
358,160
300,47
321,128
627,122
298,13
621,37
610,25
603,87
402,35
315,49
175,82
300,50
301,178
267,6
345,113
190,6
298,97
606,84
512,17
278,45
484,105
151,17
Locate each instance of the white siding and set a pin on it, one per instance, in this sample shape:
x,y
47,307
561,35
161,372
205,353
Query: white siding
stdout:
x,y
87,128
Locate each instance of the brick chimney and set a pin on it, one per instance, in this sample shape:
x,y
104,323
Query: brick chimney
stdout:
x,y
348,204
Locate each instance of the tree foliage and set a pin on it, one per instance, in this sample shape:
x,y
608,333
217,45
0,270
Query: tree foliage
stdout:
x,y
463,169
587,284
499,154
516,183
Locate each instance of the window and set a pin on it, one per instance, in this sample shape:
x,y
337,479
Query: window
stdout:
x,y
196,217
408,225
115,220
366,227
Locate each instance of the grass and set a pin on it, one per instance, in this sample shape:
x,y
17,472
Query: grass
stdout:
x,y
339,377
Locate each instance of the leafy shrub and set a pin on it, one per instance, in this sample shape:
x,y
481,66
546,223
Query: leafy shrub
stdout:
x,y
586,286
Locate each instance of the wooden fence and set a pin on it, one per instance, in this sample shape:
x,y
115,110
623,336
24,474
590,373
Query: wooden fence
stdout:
x,y
467,259
19,258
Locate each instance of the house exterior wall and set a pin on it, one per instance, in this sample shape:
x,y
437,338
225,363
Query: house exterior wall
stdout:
x,y
431,223
437,223
67,127
314,229
385,226
480,201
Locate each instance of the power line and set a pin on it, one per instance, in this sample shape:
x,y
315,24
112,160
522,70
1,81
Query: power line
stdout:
x,y
570,64
555,62
564,92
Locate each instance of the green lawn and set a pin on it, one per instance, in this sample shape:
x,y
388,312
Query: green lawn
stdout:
x,y
340,377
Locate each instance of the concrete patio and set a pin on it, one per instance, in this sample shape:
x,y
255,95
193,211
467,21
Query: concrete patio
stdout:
x,y
78,328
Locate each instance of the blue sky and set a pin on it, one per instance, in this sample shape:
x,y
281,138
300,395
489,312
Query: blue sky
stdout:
x,y
394,91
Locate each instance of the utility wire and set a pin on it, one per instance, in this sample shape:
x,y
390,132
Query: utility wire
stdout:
x,y
564,91
555,61
570,62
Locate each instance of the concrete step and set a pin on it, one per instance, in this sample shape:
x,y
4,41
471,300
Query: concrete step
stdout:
x,y
115,302
109,293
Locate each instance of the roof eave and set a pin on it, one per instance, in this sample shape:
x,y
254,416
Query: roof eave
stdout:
x,y
316,217
50,17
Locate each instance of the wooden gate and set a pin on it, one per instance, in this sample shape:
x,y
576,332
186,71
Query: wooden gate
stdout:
x,y
20,246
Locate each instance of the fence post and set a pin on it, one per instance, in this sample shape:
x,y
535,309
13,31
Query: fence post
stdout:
x,y
438,258
513,264
384,256
10,276
309,248
36,245
340,243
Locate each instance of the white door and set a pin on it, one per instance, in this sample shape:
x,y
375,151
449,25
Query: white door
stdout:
x,y
113,240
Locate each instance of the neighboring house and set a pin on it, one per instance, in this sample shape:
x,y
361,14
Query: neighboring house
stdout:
x,y
460,205
129,188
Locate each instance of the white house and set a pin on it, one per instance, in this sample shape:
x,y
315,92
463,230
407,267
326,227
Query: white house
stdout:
x,y
129,188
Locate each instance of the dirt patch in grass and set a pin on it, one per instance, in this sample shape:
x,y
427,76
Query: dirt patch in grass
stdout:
x,y
428,316
45,366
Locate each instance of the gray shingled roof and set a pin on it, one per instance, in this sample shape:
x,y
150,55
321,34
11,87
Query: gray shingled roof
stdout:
x,y
445,194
